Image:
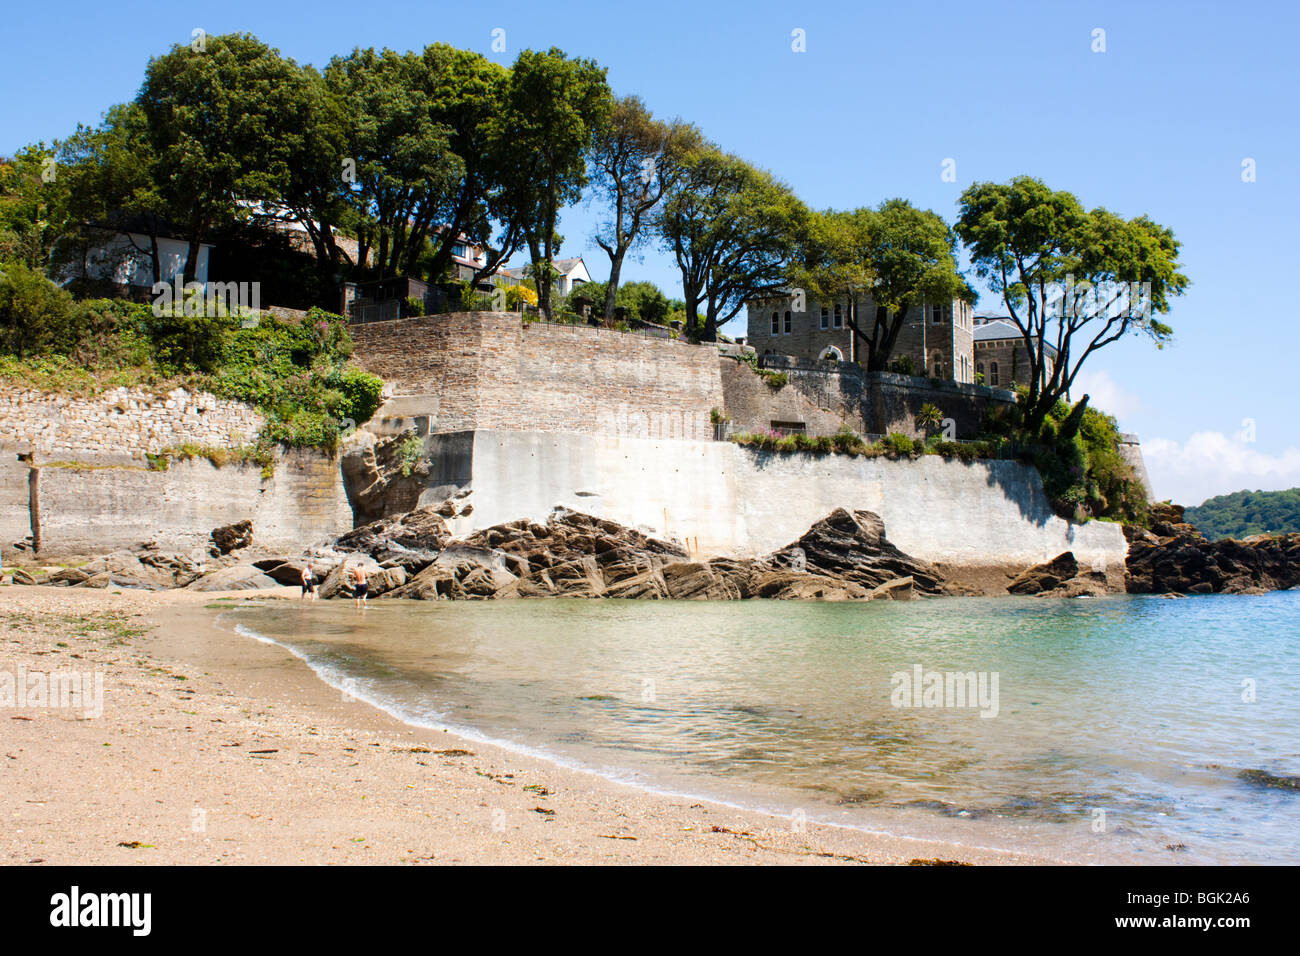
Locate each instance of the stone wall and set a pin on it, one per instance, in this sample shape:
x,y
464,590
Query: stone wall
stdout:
x,y
91,510
463,371
120,425
97,492
874,403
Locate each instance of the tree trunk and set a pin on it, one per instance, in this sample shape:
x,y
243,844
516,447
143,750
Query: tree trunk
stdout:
x,y
611,288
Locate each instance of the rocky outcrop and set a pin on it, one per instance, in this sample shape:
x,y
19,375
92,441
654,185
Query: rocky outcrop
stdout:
x,y
411,540
232,537
242,577
843,557
1046,576
1173,557
382,477
1060,577
852,546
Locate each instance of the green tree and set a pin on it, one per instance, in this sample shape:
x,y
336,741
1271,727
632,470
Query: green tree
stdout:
x,y
553,110
34,312
112,176
900,255
405,168
31,194
636,159
215,121
733,230
1068,277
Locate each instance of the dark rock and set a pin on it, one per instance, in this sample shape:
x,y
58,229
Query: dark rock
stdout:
x,y
412,540
67,577
1173,557
373,475
232,537
1277,781
241,577
853,546
843,557
1046,576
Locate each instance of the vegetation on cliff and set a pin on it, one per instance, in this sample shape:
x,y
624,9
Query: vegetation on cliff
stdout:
x,y
295,373
1245,513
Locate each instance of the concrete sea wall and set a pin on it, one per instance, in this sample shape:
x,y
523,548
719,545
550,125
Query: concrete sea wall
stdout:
x,y
719,498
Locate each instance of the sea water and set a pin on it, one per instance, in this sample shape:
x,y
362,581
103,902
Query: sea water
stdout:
x,y
1090,730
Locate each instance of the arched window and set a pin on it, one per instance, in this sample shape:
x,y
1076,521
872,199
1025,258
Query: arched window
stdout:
x,y
993,373
937,362
826,318
787,322
839,317
979,368
831,354
776,324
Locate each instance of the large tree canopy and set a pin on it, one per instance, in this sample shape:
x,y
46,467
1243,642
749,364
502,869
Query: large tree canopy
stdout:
x,y
554,108
217,123
1073,281
733,230
899,255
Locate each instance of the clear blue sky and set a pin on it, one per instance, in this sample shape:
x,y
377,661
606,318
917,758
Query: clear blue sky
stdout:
x,y
1159,123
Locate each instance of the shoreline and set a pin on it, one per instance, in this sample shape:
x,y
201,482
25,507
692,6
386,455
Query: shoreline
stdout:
x,y
171,772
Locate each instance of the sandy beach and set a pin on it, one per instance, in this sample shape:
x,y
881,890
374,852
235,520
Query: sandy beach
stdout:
x,y
215,748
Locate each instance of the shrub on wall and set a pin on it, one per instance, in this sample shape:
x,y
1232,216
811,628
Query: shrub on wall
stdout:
x,y
295,373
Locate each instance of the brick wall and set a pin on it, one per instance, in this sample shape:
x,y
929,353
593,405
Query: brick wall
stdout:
x,y
493,370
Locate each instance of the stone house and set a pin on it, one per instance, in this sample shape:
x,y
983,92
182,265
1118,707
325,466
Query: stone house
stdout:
x,y
1000,354
936,336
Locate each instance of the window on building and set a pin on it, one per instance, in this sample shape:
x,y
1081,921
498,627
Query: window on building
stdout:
x,y
993,373
936,314
979,368
938,365
790,428
788,326
776,324
826,318
839,317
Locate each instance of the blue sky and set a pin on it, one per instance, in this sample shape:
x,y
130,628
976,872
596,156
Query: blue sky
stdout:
x,y
1159,123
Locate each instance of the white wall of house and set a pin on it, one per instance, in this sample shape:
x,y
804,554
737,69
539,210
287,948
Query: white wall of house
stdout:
x,y
124,259
577,275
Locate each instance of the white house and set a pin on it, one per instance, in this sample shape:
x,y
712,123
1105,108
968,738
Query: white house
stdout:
x,y
123,258
573,273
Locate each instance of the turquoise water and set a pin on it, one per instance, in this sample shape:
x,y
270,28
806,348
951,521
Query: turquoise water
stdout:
x,y
1121,724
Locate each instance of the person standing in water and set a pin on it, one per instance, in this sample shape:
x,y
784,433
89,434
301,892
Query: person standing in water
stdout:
x,y
309,583
360,586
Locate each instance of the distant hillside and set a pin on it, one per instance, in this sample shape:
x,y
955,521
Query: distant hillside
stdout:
x,y
1247,512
